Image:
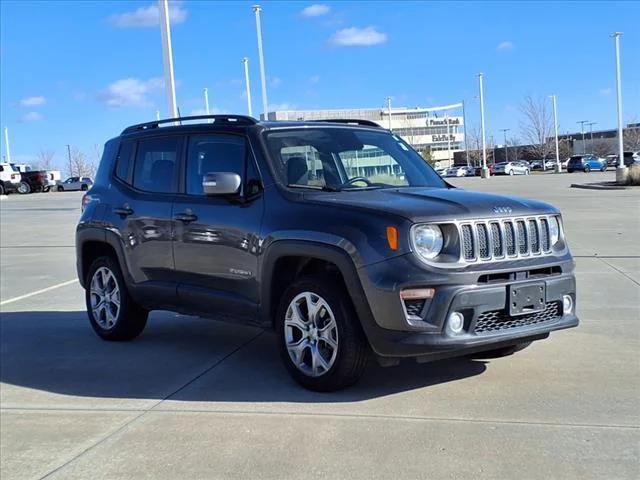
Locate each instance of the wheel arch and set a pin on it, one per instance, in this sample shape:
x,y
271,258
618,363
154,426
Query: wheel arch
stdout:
x,y
91,243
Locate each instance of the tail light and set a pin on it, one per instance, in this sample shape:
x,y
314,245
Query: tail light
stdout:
x,y
14,176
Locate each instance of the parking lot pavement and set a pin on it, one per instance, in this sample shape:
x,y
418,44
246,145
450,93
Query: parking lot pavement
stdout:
x,y
198,398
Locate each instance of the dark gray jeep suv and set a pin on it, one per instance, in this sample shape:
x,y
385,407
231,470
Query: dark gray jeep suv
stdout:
x,y
336,234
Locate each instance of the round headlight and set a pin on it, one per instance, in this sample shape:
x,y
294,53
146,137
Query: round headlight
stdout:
x,y
554,230
427,240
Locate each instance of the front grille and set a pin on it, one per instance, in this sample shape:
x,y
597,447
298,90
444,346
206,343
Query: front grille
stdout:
x,y
504,238
497,320
414,307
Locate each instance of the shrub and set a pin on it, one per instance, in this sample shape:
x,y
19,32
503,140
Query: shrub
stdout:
x,y
633,178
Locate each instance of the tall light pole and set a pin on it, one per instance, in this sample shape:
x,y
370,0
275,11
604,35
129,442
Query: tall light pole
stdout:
x,y
621,171
157,114
484,173
582,122
206,100
446,119
263,79
389,111
555,127
6,144
506,148
464,126
591,124
245,62
69,159
167,58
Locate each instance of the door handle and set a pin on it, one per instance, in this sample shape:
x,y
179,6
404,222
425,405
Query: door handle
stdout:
x,y
123,211
186,217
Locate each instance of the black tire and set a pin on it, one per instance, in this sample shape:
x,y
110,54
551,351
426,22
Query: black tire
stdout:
x,y
501,352
46,189
352,347
131,318
603,169
1,189
60,188
587,169
84,187
24,188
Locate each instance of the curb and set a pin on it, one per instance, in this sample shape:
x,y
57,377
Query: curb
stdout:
x,y
598,187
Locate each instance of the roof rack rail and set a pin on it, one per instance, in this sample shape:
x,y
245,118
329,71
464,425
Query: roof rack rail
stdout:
x,y
217,119
353,121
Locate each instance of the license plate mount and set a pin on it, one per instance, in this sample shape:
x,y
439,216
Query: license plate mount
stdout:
x,y
526,298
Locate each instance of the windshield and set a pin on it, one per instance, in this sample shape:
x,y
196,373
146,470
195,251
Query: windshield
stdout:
x,y
333,158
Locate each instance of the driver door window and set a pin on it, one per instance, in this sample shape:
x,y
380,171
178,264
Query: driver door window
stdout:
x,y
213,153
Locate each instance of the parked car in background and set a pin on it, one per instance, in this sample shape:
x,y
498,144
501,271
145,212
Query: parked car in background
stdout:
x,y
585,163
612,160
441,171
542,164
478,170
460,171
511,168
75,183
9,178
629,159
31,180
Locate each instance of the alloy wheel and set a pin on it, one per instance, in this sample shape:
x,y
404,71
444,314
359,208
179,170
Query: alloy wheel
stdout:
x,y
105,298
311,334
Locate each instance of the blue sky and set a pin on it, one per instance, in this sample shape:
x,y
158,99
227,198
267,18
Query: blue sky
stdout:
x,y
78,72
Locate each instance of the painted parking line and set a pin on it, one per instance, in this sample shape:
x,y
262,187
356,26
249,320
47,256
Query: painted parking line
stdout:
x,y
38,292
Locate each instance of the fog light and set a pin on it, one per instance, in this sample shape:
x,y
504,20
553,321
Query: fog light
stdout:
x,y
567,304
455,322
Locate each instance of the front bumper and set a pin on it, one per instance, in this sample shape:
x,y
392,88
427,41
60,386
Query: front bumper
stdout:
x,y
480,294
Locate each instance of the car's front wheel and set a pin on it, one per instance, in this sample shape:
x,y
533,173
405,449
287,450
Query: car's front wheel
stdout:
x,y
321,341
113,314
587,169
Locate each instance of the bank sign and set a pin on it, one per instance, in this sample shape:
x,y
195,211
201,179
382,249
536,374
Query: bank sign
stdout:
x,y
434,122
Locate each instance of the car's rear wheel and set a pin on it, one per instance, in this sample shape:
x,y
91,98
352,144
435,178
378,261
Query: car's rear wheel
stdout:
x,y
321,341
587,169
23,188
1,189
113,314
603,169
501,352
60,188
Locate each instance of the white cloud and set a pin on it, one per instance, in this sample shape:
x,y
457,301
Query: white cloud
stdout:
x,y
605,92
313,79
130,92
315,10
353,36
33,101
281,106
275,82
148,16
505,46
31,117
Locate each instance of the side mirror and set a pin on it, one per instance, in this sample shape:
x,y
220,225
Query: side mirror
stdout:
x,y
221,183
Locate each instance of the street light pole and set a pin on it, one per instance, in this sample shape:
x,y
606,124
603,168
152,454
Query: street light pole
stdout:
x,y
555,127
591,124
464,126
6,144
485,171
167,58
506,148
582,122
389,111
263,79
621,171
245,62
446,119
69,158
206,100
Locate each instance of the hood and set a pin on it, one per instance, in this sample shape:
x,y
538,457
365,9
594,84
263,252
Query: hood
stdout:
x,y
432,204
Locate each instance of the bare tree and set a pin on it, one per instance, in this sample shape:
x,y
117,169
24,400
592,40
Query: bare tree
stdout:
x,y
536,126
601,148
80,165
631,136
564,148
45,160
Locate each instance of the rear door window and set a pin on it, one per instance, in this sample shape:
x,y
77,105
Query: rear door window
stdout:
x,y
156,164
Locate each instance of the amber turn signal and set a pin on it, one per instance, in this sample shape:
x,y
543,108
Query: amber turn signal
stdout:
x,y
392,238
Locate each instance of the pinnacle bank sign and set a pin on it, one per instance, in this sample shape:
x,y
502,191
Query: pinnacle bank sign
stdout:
x,y
434,122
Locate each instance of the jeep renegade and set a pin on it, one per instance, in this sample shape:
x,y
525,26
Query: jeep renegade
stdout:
x,y
336,234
